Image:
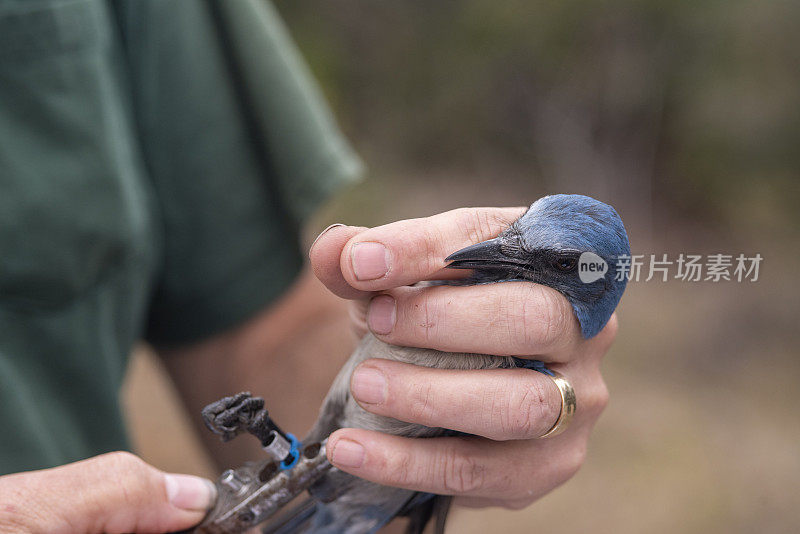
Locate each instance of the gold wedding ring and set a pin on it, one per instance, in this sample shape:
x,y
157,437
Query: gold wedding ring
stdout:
x,y
568,405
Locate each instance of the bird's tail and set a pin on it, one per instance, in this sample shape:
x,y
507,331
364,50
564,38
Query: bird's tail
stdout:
x,y
315,517
293,521
444,503
421,514
359,512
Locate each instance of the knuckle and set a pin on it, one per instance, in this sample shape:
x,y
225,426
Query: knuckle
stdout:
x,y
435,240
518,318
603,395
607,335
518,504
421,405
460,472
485,224
543,320
123,461
528,405
575,461
595,399
612,327
357,312
399,469
553,318
424,313
478,224
132,472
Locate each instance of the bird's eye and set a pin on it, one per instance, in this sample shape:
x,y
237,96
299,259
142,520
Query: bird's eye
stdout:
x,y
565,263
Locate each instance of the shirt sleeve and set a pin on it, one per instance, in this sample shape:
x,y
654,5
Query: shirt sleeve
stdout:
x,y
240,148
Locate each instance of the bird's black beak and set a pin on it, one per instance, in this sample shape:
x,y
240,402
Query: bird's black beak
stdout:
x,y
487,254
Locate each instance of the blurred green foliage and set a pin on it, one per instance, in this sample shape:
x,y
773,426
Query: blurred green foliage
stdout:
x,y
688,107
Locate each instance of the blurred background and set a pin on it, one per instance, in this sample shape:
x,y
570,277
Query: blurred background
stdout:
x,y
683,115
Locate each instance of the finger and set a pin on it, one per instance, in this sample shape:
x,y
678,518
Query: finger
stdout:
x,y
500,404
605,338
325,254
406,252
465,466
112,493
509,318
483,502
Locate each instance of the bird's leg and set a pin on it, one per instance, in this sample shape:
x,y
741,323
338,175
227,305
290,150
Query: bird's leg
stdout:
x,y
255,491
230,416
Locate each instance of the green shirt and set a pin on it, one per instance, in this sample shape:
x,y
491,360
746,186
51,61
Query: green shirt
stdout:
x,y
156,161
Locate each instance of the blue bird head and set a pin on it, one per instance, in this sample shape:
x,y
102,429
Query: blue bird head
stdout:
x,y
562,241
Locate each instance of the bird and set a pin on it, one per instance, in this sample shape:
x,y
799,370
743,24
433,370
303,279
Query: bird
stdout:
x,y
546,245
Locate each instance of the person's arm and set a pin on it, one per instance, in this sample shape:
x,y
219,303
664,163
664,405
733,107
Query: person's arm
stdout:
x,y
288,354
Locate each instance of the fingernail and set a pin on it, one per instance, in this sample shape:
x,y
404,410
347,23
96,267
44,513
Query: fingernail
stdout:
x,y
368,385
370,260
190,492
347,453
381,314
322,233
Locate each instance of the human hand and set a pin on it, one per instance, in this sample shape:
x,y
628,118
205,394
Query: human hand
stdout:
x,y
503,463
115,492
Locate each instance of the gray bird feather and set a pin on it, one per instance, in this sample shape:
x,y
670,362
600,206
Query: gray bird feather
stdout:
x,y
361,506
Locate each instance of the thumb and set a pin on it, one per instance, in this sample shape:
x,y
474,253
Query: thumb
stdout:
x,y
112,493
